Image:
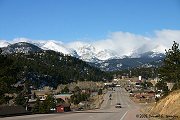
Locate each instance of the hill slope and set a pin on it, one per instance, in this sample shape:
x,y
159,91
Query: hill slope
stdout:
x,y
21,47
20,72
45,67
170,105
126,63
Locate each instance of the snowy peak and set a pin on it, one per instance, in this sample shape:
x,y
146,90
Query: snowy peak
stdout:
x,y
24,47
107,54
3,44
50,45
148,51
21,47
159,49
152,54
89,53
86,49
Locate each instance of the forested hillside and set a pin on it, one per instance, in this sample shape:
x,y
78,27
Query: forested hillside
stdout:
x,y
43,68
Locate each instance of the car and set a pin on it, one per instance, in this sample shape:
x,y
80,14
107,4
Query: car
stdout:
x,y
80,109
118,105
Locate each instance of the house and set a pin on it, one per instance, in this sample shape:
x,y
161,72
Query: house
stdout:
x,y
134,81
150,95
158,95
64,97
41,93
170,85
64,107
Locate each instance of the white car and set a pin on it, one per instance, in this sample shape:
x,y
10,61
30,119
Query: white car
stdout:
x,y
118,105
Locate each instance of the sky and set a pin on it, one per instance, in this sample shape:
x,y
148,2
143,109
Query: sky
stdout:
x,y
87,20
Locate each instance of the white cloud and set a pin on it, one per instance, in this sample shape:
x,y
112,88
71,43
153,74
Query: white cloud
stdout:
x,y
122,42
125,43
166,37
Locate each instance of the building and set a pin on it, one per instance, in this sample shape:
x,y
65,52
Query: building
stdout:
x,y
64,97
170,85
41,93
155,81
64,107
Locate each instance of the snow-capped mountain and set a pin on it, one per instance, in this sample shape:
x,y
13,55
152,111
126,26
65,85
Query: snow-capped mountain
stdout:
x,y
104,59
50,45
109,60
159,49
21,47
151,51
107,54
87,53
90,53
3,44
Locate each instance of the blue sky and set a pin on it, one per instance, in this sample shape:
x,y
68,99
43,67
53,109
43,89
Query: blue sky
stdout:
x,y
69,20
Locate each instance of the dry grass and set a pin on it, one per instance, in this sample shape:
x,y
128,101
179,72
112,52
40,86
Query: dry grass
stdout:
x,y
97,101
170,106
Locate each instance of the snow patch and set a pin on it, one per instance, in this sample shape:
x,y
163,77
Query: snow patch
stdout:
x,y
3,43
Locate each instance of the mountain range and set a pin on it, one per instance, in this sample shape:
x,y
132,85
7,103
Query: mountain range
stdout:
x,y
105,59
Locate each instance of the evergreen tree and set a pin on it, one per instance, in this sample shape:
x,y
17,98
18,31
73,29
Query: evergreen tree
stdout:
x,y
65,90
77,90
100,92
36,106
161,85
49,103
20,100
170,70
146,84
79,97
44,106
75,99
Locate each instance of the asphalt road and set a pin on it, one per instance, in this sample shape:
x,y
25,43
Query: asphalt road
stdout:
x,y
129,110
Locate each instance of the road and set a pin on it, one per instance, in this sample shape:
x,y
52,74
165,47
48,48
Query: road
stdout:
x,y
129,110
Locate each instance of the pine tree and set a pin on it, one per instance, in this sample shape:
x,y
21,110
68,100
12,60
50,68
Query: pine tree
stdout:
x,y
100,92
170,70
49,103
36,106
65,90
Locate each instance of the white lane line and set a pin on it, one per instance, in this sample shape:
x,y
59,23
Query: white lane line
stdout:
x,y
124,115
111,102
117,96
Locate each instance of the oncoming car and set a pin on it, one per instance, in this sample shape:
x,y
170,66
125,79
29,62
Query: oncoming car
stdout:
x,y
118,105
